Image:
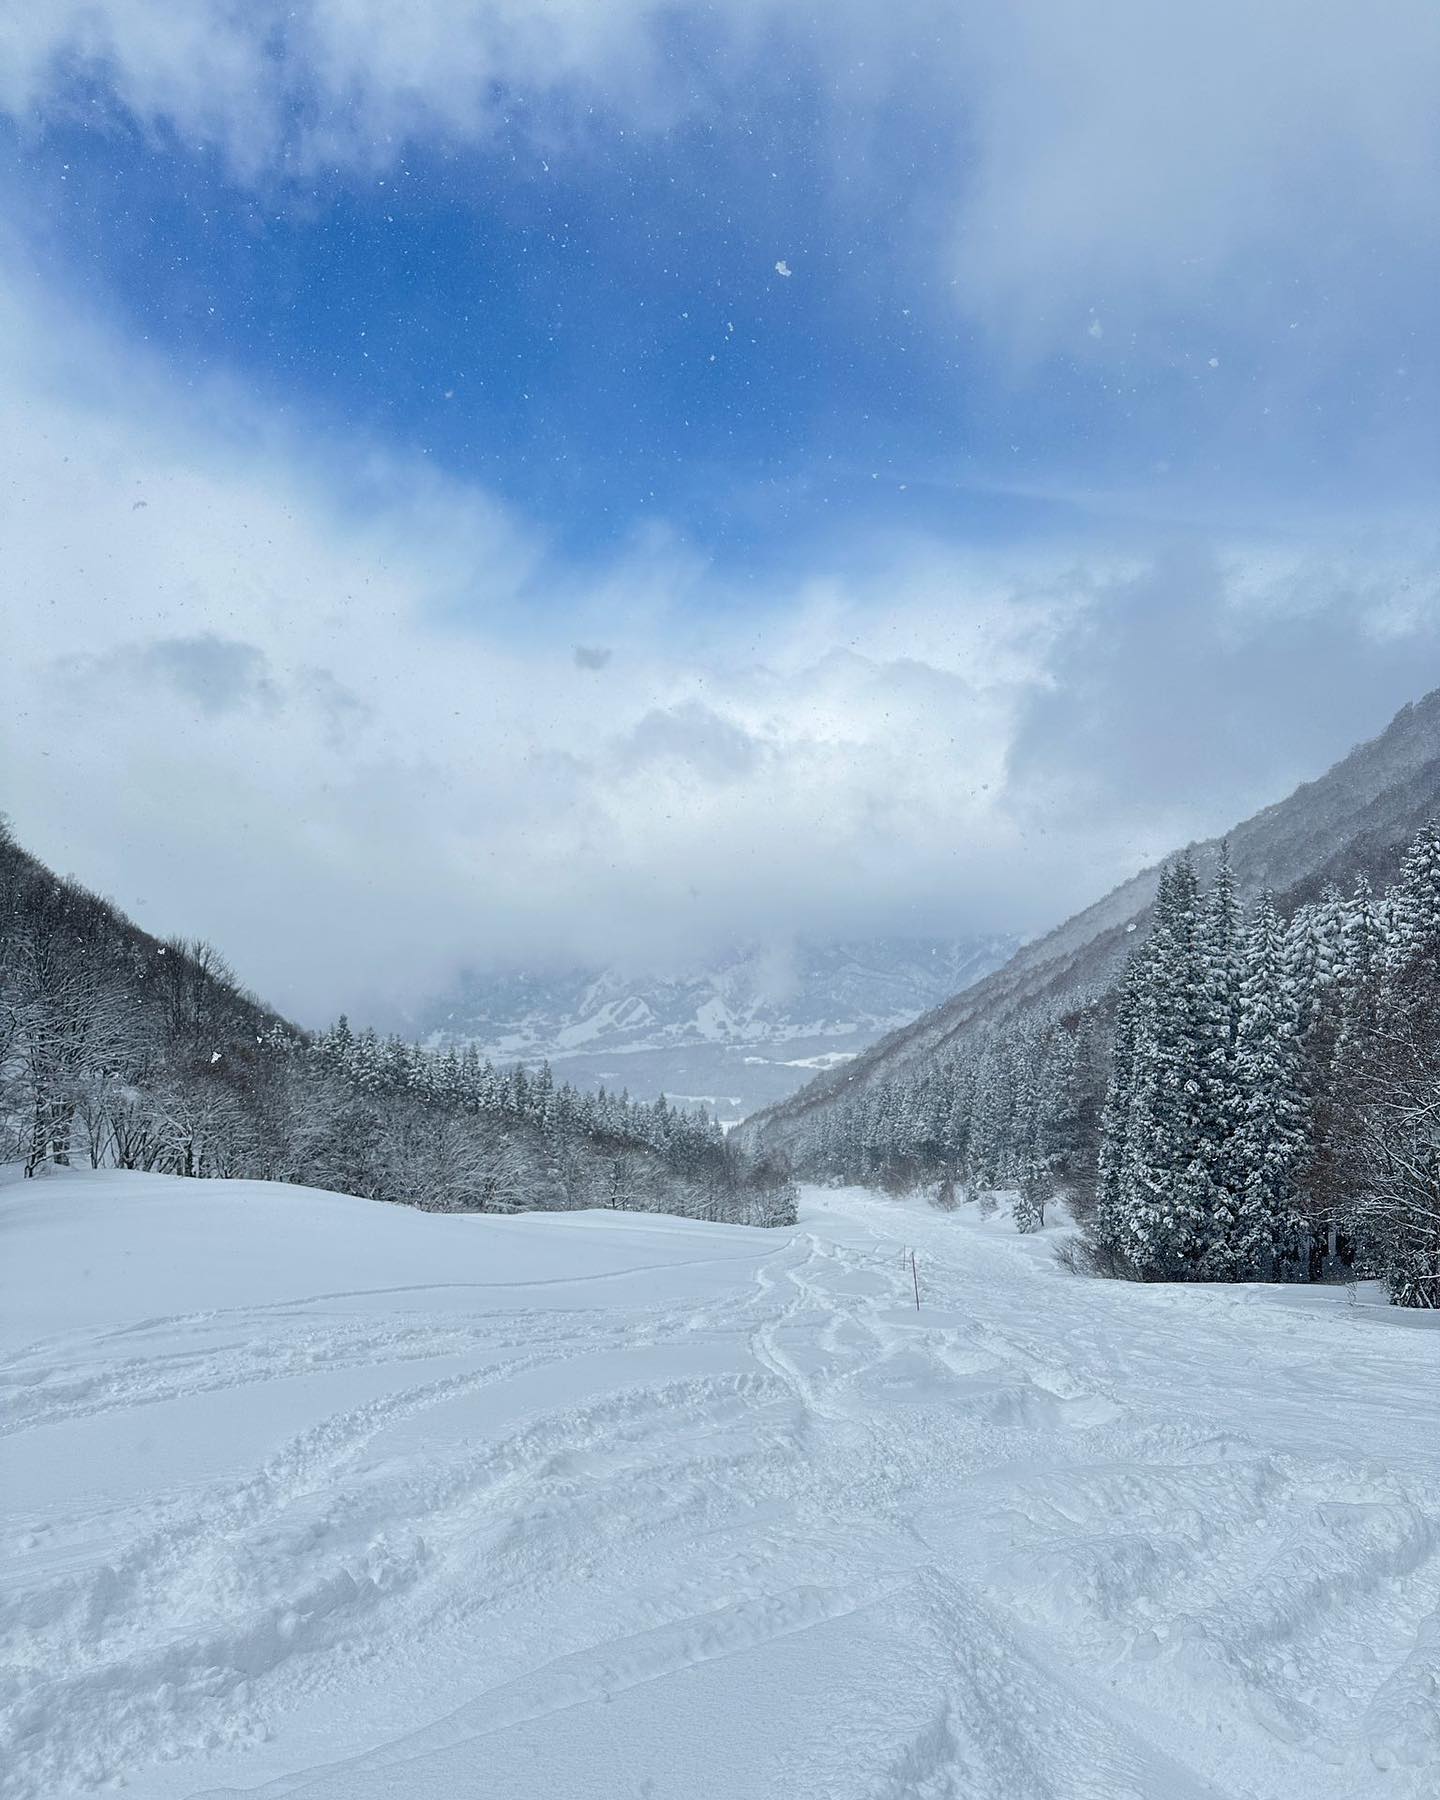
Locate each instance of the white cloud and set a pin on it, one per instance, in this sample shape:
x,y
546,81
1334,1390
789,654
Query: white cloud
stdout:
x,y
1203,159
355,722
324,81
253,708
323,718
1162,161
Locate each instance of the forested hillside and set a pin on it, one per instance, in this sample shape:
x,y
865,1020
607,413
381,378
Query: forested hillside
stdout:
x,y
1259,1098
118,1050
1355,819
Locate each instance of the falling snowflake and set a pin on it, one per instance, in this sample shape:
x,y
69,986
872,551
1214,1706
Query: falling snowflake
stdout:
x,y
783,268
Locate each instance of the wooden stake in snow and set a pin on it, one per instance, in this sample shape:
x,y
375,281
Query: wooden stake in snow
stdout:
x,y
916,1274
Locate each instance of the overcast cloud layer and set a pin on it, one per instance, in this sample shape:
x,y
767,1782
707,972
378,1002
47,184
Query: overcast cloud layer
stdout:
x,y
358,715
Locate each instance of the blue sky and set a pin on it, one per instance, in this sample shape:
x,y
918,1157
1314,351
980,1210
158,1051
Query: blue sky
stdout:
x,y
600,335
869,392
586,316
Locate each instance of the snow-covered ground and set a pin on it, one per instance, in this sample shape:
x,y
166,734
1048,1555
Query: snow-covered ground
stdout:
x,y
308,1496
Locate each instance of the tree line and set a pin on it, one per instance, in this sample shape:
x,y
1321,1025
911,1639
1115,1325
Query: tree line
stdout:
x,y
119,1050
1258,1099
1005,1111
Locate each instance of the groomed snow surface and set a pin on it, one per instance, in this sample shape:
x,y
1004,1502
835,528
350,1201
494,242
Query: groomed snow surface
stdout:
x,y
305,1495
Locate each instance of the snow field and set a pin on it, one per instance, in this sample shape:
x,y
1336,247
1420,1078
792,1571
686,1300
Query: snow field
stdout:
x,y
308,1496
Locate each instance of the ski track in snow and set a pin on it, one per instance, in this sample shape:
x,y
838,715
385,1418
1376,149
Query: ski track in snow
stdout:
x,y
681,1510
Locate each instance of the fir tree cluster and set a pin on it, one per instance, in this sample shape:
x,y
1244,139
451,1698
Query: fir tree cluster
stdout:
x,y
1258,1100
1273,1109
558,1122
1003,1113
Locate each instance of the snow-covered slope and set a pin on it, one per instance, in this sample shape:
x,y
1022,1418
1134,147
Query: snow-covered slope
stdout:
x,y
305,1495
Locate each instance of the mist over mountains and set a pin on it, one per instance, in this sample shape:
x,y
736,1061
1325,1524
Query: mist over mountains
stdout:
x,y
738,1034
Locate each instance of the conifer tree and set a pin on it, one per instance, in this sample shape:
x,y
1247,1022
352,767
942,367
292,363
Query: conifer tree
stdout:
x,y
1222,1102
1117,1116
1412,928
1165,1185
1393,1089
1270,1142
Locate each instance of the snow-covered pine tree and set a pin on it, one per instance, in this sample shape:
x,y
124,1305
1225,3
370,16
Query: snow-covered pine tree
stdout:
x,y
1024,1152
990,1119
1222,1099
1165,1184
1315,958
1394,1092
1271,1142
1412,911
1040,1116
1117,1116
1358,1005
955,1137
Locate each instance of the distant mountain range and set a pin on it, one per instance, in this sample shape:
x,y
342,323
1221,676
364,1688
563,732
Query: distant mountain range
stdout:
x,y
734,1035
1356,817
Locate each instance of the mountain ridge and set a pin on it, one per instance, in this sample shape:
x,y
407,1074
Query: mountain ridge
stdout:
x,y
1352,818
755,994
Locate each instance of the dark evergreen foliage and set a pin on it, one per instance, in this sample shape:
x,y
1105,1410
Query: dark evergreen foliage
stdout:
x,y
121,1051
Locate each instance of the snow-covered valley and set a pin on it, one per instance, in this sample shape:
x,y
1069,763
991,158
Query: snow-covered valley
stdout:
x,y
305,1494
740,1033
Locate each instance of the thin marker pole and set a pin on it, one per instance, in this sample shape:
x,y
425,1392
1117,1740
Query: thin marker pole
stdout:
x,y
916,1274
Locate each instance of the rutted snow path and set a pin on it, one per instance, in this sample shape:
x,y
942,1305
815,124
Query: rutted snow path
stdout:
x,y
306,1496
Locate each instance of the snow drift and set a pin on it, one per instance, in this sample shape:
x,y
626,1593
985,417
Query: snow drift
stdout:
x,y
307,1495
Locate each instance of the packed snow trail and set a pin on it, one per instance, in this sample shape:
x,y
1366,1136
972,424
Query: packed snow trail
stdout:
x,y
309,1496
